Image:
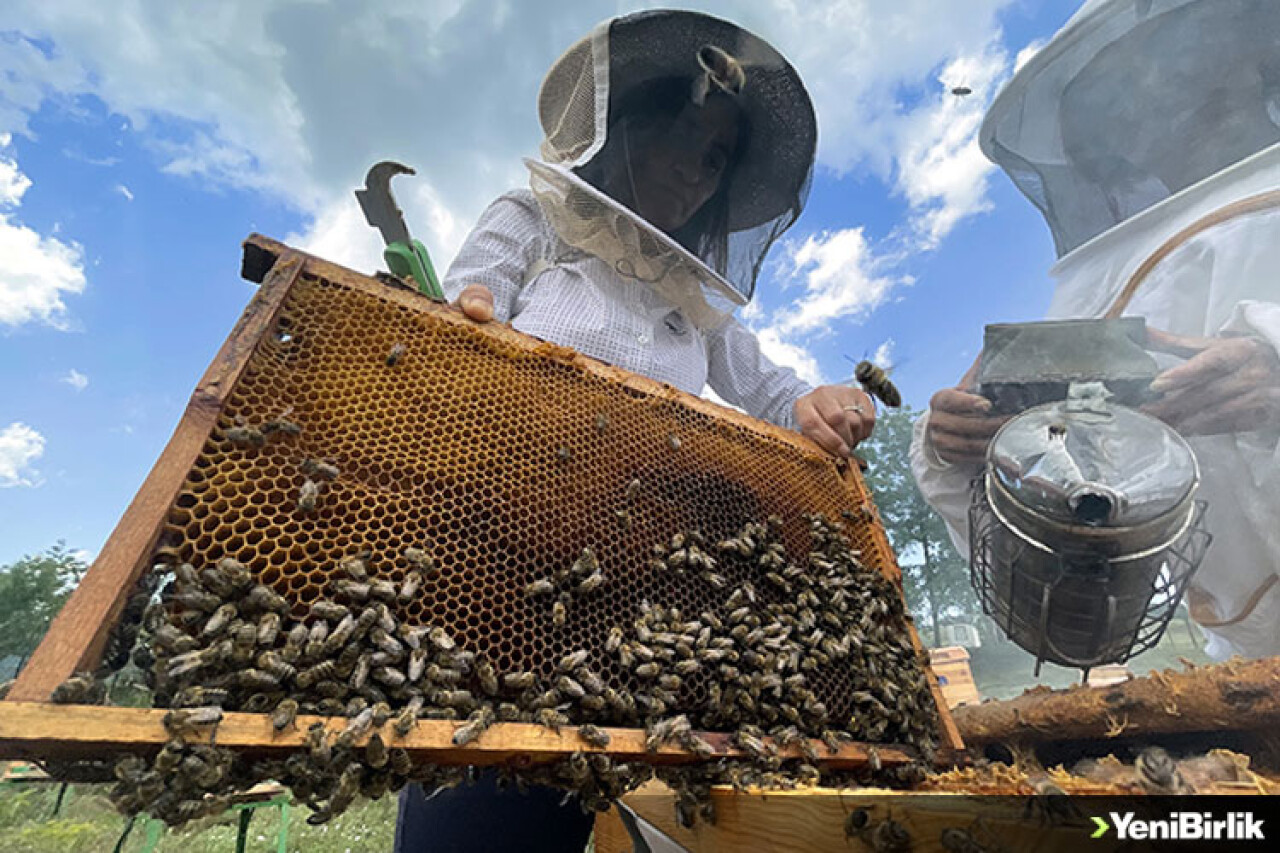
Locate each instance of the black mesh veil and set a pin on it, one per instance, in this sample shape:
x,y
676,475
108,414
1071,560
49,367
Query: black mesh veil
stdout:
x,y
707,273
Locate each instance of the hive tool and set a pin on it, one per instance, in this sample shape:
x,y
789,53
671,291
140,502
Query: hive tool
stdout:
x,y
405,256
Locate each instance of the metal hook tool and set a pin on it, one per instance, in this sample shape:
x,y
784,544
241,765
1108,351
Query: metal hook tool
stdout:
x,y
405,256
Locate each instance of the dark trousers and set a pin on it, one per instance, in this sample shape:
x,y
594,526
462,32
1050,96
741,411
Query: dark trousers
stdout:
x,y
479,818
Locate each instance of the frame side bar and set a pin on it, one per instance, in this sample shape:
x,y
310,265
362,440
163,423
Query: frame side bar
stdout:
x,y
75,639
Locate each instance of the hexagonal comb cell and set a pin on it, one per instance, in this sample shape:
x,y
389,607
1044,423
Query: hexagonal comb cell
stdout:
x,y
362,423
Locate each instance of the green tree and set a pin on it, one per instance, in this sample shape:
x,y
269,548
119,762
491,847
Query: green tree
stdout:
x,y
935,577
31,592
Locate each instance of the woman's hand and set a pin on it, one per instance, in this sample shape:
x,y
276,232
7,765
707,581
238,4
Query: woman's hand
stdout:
x,y
837,417
1226,385
476,302
961,424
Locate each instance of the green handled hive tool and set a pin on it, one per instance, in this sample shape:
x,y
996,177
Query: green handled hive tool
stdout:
x,y
405,256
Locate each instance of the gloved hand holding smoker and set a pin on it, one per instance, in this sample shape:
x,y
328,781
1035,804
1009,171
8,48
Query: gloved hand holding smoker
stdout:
x,y
1148,135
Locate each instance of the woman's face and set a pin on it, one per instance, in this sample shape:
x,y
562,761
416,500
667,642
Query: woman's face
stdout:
x,y
677,163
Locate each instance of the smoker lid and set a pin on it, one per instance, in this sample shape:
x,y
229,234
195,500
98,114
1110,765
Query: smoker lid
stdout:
x,y
1084,461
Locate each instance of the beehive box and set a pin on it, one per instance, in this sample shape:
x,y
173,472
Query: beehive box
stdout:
x,y
950,665
502,456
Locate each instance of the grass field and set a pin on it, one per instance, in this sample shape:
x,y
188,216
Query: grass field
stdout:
x,y
87,823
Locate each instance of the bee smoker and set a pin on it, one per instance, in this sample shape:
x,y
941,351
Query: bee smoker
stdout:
x,y
1084,527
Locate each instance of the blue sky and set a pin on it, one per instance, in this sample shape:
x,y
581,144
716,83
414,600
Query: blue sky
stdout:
x,y
139,148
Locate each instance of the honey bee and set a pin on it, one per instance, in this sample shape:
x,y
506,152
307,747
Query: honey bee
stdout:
x,y
356,728
1158,773
456,698
294,642
323,608
570,687
551,718
219,621
648,670
268,629
383,590
509,712
696,745
518,680
195,696
357,591
345,794
409,589
487,677
594,735
686,667
591,583
319,672
573,660
281,425
389,676
184,721
271,662
408,718
244,436
322,471
307,496
673,441
256,679
602,423
79,689
401,762
539,587
442,675
355,567
624,520
564,453
397,350
375,752
475,726
441,639
340,635
559,614
381,713
284,715
633,490
875,381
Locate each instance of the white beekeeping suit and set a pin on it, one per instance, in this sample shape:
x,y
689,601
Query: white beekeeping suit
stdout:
x,y
1148,134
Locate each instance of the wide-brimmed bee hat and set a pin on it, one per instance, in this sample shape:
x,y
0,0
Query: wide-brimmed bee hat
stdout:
x,y
769,183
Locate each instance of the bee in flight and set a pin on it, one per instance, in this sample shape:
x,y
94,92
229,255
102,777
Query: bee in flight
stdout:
x,y
875,381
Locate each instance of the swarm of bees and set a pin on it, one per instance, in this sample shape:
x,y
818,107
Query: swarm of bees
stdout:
x,y
215,639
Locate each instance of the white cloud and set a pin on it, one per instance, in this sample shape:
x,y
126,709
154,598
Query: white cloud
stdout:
x,y
13,184
841,277
310,96
883,355
790,355
124,191
76,379
35,272
20,445
941,170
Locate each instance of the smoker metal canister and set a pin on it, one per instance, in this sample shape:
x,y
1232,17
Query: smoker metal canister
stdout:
x,y
1087,498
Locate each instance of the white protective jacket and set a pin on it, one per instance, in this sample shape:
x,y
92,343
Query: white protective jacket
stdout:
x,y
1225,278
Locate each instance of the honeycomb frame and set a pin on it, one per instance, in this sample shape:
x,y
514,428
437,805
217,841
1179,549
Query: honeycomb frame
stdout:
x,y
498,494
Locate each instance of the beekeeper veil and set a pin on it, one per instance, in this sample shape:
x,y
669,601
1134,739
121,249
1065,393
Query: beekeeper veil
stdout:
x,y
709,265
1133,102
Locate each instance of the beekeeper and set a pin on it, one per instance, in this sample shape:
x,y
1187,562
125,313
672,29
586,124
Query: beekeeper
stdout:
x,y
678,147
1147,132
